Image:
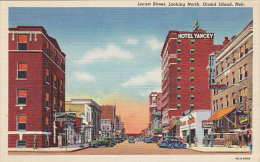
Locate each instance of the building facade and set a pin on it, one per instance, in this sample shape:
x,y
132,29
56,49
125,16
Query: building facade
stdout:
x,y
90,112
155,110
36,87
184,58
232,107
108,119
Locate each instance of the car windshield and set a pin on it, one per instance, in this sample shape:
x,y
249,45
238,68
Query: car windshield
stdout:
x,y
164,142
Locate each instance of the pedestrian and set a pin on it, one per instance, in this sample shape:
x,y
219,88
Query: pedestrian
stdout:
x,y
60,141
205,141
195,141
34,142
180,139
184,140
211,140
74,139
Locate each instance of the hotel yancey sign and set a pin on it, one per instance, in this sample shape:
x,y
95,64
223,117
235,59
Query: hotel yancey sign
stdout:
x,y
196,35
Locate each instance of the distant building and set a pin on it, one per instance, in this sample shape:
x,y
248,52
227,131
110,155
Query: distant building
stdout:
x,y
184,58
232,107
155,107
36,87
108,118
90,112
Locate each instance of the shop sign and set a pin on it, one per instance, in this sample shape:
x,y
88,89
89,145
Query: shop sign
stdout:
x,y
65,116
206,124
183,123
243,120
178,122
218,86
196,35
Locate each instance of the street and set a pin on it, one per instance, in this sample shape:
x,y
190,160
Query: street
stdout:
x,y
125,148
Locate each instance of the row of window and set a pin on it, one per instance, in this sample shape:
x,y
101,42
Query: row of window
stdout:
x,y
191,60
55,80
21,123
220,102
22,99
243,51
192,41
179,78
179,51
191,87
191,97
179,69
22,45
191,106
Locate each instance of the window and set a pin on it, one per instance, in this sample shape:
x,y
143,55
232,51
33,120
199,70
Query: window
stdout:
x,y
205,132
192,78
191,69
178,50
178,60
222,67
178,105
21,97
246,48
46,124
234,58
21,123
192,50
245,91
21,143
178,69
60,105
178,78
178,41
241,51
227,101
240,73
217,52
22,70
221,81
192,41
221,103
227,62
47,100
192,60
48,48
61,63
61,85
217,70
192,87
178,87
227,80
22,42
245,70
216,105
55,81
178,96
240,96
192,105
192,96
55,57
47,75
233,98
54,103
233,77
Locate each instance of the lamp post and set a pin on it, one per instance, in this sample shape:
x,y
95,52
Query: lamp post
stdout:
x,y
81,131
190,117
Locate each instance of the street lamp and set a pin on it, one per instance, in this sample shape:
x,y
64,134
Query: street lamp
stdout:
x,y
190,117
81,130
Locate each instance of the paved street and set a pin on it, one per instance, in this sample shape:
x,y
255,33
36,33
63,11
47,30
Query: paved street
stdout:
x,y
125,148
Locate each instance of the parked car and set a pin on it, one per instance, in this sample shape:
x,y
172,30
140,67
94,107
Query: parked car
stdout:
x,y
118,140
172,142
131,140
151,140
102,141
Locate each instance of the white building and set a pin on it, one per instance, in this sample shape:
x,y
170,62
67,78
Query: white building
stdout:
x,y
197,125
106,128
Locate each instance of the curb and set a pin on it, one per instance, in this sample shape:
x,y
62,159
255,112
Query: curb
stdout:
x,y
48,151
224,151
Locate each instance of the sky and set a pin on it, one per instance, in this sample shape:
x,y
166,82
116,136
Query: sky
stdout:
x,y
113,54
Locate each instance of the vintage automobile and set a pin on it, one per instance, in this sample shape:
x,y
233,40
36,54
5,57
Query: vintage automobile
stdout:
x,y
131,140
151,140
172,142
102,141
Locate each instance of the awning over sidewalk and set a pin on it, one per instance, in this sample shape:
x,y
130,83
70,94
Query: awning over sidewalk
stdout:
x,y
170,127
218,115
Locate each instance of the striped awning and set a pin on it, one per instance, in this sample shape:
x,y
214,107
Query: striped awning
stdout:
x,y
219,114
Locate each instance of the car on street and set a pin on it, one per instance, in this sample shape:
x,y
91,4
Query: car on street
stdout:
x,y
117,139
102,141
131,140
151,140
172,142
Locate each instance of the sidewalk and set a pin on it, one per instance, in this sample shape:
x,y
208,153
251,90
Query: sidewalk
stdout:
x,y
220,149
69,148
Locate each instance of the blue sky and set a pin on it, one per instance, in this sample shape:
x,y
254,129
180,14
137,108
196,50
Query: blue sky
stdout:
x,y
113,54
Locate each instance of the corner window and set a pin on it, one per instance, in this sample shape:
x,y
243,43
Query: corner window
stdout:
x,y
178,41
191,69
192,41
246,48
192,60
240,73
22,42
245,70
61,63
55,57
178,50
47,100
60,105
192,96
192,50
22,70
21,123
48,48
192,87
233,78
21,97
241,51
61,85
47,75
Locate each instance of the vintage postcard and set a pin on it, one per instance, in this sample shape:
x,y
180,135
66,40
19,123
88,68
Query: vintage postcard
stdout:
x,y
132,80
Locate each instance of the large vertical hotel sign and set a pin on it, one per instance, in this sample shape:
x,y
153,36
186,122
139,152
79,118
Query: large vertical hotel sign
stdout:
x,y
212,69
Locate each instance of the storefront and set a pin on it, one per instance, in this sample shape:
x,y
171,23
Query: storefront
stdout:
x,y
197,126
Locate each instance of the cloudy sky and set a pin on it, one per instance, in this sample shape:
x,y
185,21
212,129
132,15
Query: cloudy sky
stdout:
x,y
113,54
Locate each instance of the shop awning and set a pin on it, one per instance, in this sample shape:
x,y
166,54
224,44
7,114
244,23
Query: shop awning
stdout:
x,y
170,127
218,115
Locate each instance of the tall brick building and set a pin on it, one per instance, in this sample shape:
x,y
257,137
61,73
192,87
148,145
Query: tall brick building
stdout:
x,y
108,117
36,87
184,59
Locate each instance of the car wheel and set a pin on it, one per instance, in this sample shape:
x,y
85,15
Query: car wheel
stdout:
x,y
111,145
171,147
184,146
95,146
176,145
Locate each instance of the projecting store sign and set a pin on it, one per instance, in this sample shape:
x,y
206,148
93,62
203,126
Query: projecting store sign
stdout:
x,y
218,86
65,116
196,35
206,124
243,120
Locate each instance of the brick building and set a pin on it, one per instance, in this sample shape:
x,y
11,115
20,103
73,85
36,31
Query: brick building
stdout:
x,y
184,59
232,105
108,117
155,110
36,87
